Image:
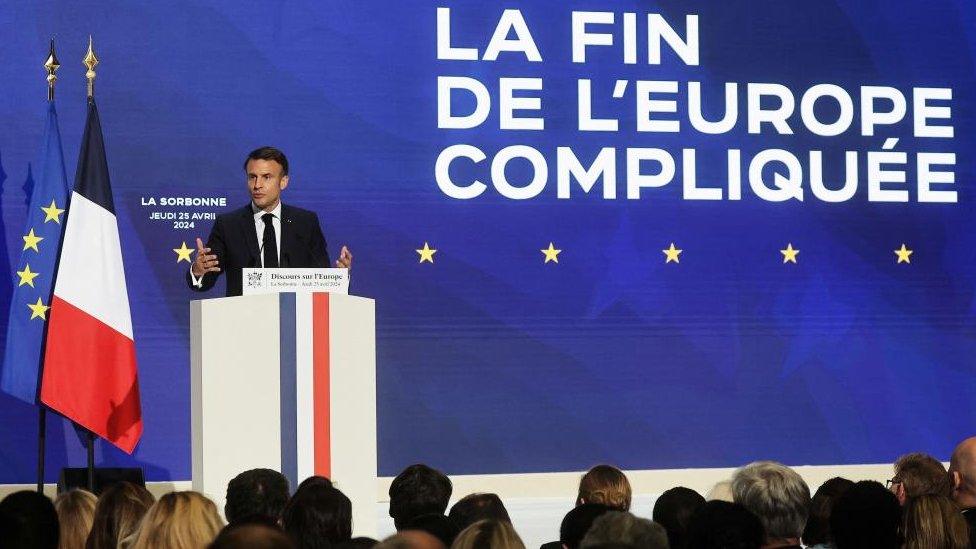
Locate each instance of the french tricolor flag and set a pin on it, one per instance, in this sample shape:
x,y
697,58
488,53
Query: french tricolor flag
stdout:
x,y
89,371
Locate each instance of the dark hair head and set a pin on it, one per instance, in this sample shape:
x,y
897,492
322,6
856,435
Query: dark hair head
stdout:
x,y
256,492
724,525
318,516
117,514
922,474
251,536
578,521
474,507
817,530
866,516
418,490
607,485
28,520
436,525
360,542
268,153
623,527
673,511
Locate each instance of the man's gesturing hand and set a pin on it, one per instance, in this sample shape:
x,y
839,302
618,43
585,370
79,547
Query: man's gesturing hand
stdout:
x,y
204,263
345,259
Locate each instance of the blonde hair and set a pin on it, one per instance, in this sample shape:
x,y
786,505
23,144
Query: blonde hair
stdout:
x,y
606,485
179,520
488,534
76,512
934,522
118,513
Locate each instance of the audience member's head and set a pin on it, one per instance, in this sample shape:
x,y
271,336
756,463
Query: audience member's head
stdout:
x,y
474,507
917,474
489,534
119,510
623,528
256,492
76,511
411,539
607,485
932,521
317,516
418,490
673,510
251,536
722,491
962,473
437,525
314,479
578,521
866,516
177,520
817,531
360,542
723,525
777,495
28,521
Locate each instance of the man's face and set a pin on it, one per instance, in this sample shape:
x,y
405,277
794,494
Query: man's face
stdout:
x,y
265,181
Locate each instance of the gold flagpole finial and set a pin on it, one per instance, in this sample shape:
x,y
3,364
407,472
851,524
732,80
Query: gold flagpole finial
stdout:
x,y
90,61
52,66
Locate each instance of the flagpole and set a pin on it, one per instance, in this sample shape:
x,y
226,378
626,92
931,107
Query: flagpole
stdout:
x,y
90,61
51,65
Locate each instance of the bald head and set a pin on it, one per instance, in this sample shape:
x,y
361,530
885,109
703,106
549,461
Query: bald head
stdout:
x,y
962,473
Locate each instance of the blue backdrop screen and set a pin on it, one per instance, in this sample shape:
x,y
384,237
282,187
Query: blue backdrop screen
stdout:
x,y
489,131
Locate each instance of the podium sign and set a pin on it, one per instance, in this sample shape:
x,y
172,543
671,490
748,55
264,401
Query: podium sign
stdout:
x,y
260,280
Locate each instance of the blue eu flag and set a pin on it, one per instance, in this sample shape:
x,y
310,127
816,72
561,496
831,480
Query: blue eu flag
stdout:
x,y
34,273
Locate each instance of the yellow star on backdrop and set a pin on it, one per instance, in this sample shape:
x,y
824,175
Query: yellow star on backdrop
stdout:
x,y
26,276
31,240
903,254
52,212
38,310
426,254
672,254
183,253
789,254
551,254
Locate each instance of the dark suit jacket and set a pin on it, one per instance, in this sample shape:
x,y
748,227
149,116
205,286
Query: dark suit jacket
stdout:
x,y
235,243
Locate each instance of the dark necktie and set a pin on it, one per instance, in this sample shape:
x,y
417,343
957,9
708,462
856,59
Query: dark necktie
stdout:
x,y
268,242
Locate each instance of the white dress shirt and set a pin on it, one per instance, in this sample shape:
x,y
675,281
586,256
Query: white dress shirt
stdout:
x,y
259,231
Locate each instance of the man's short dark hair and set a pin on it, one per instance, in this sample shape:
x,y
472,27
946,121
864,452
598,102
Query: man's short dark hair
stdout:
x,y
28,520
268,153
576,523
817,530
436,525
673,510
724,525
474,507
922,474
256,492
318,516
251,536
867,516
418,490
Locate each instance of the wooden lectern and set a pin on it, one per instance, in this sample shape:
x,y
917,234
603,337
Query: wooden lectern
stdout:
x,y
287,382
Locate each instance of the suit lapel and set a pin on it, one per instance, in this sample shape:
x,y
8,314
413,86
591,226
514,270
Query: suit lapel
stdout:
x,y
250,237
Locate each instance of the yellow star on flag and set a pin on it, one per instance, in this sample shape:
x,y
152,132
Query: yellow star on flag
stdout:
x,y
183,253
31,240
551,254
427,253
672,254
903,254
52,212
38,310
26,276
789,254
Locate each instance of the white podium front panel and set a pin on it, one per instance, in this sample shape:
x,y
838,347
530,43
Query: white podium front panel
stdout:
x,y
286,382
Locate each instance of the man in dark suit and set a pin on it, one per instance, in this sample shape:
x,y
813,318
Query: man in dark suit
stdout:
x,y
265,233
